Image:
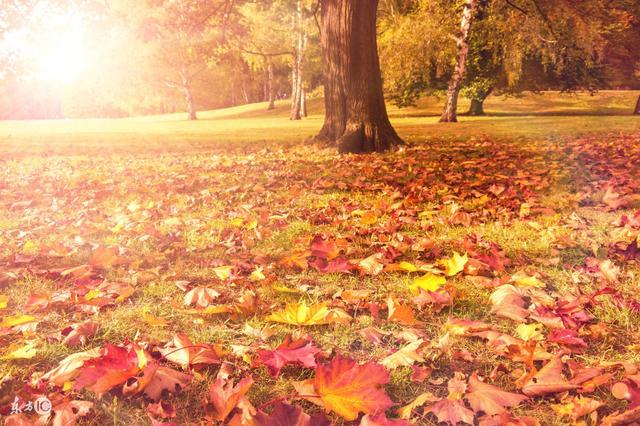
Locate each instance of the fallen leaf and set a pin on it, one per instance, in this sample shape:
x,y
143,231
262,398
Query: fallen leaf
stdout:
x,y
224,396
288,415
317,314
548,380
288,352
490,399
405,356
427,282
348,388
455,264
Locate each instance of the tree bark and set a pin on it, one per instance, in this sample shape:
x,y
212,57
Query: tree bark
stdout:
x,y
298,63
303,102
188,95
356,117
450,111
637,111
476,108
270,84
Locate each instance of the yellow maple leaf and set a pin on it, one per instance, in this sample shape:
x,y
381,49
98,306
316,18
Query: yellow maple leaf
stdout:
x,y
455,264
15,351
4,300
523,280
16,320
301,314
529,331
407,267
223,272
428,282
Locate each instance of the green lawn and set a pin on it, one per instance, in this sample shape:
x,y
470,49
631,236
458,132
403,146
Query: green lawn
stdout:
x,y
547,115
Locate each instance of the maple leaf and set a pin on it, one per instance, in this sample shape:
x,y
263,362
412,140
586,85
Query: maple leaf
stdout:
x,y
324,248
429,282
490,399
348,388
114,366
548,380
405,356
16,351
506,419
524,280
301,314
223,272
69,368
452,409
105,257
508,302
200,296
399,313
224,396
578,407
183,352
325,266
567,338
455,264
162,409
288,415
289,352
16,320
77,334
65,413
382,420
406,411
372,265
165,380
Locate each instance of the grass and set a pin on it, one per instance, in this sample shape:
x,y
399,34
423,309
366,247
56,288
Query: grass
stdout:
x,y
546,115
178,196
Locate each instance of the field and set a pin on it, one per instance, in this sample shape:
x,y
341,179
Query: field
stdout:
x,y
503,247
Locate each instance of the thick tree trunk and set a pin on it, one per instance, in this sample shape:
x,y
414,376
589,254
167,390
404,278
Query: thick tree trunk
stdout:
x,y
356,117
188,95
298,60
477,105
450,111
271,85
637,111
476,108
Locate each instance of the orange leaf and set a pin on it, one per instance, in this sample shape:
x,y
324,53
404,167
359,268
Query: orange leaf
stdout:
x,y
548,380
490,399
348,388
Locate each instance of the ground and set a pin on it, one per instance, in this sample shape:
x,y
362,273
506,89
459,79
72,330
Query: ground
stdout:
x,y
490,246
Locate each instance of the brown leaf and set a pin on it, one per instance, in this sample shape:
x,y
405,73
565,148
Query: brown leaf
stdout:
x,y
548,380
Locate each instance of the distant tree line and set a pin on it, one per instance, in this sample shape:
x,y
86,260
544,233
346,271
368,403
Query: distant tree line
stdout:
x,y
188,55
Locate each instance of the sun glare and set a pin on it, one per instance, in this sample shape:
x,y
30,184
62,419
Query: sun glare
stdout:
x,y
63,58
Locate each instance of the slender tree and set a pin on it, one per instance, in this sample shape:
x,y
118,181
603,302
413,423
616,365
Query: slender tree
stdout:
x,y
297,68
449,113
356,117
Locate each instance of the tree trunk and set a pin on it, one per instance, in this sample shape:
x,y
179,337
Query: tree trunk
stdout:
x,y
450,111
298,60
271,85
303,102
188,95
356,117
637,111
476,108
477,105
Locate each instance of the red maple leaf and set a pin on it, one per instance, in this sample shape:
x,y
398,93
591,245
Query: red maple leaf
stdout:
x,y
300,351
